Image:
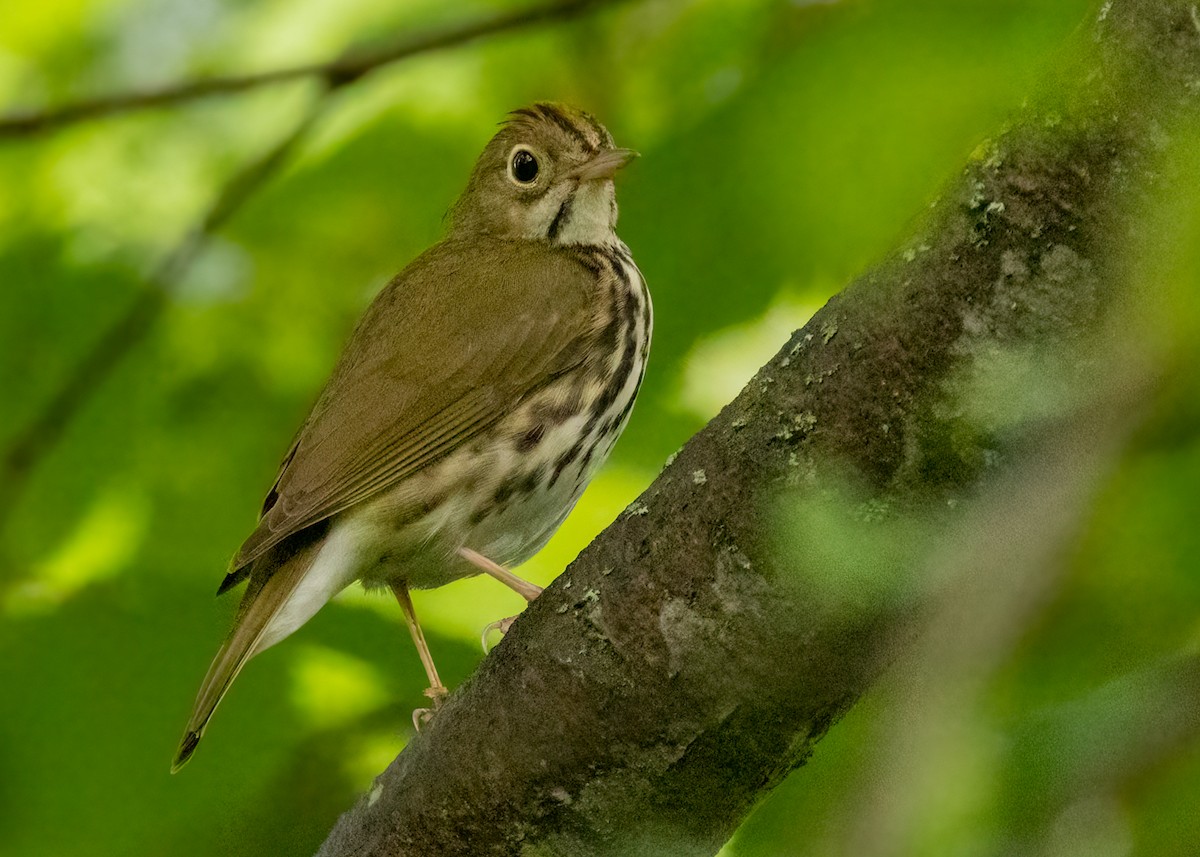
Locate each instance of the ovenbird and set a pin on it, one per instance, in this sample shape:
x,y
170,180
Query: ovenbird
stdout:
x,y
474,401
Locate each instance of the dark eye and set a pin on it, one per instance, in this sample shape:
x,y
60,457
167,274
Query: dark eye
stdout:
x,y
524,166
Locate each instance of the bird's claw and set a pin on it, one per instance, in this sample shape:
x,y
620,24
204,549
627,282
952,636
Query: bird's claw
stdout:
x,y
422,716
501,625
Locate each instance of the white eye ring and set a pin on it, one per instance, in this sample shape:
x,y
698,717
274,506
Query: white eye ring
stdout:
x,y
516,170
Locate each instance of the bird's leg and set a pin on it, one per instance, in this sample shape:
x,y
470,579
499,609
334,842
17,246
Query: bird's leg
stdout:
x,y
524,588
436,690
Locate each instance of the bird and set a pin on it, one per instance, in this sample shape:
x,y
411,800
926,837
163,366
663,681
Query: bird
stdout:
x,y
474,401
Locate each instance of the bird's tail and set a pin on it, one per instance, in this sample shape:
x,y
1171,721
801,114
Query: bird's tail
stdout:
x,y
273,580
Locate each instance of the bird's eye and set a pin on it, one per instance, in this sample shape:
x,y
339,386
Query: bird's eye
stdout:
x,y
523,167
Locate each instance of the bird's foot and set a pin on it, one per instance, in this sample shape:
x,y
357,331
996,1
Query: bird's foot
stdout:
x,y
501,625
422,716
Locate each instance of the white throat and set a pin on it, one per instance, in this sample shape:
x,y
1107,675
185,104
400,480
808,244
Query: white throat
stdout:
x,y
591,215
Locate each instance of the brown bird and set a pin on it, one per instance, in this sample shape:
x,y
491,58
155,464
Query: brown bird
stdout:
x,y
478,395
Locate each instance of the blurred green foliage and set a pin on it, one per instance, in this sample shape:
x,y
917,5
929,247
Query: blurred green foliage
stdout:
x,y
785,146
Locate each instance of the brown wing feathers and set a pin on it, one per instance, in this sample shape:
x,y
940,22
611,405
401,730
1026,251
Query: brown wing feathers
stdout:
x,y
391,408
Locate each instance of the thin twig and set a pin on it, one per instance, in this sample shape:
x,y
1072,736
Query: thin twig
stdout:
x,y
44,431
337,71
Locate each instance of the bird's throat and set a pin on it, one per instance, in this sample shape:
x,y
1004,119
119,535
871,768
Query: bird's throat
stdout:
x,y
588,215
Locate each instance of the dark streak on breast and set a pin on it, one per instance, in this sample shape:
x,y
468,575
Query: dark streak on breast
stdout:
x,y
529,441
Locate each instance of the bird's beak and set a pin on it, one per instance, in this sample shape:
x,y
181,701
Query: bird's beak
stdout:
x,y
604,165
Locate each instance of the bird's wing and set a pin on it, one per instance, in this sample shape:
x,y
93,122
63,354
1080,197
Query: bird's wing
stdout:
x,y
446,349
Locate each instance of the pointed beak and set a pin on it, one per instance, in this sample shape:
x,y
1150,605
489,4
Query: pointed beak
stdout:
x,y
604,165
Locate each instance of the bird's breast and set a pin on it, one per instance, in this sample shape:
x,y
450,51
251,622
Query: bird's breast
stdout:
x,y
561,435
507,492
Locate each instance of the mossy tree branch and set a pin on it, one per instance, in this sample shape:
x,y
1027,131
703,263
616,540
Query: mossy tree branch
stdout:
x,y
687,661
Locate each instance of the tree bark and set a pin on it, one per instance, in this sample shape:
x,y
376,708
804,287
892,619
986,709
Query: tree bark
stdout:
x,y
689,658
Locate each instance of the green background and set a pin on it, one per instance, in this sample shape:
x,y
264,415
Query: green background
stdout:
x,y
785,145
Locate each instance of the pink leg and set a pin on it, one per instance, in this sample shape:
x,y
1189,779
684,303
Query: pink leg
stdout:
x,y
436,691
524,588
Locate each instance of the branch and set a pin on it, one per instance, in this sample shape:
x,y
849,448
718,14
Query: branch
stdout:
x,y
338,71
44,431
688,660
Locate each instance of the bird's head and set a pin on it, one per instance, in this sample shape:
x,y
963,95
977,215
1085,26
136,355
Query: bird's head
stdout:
x,y
546,175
